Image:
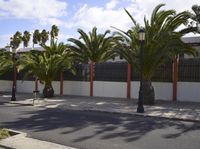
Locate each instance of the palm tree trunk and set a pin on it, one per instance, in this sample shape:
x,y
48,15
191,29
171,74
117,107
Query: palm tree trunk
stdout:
x,y
148,92
48,90
91,78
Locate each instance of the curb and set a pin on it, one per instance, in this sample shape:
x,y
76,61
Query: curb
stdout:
x,y
7,143
137,114
18,133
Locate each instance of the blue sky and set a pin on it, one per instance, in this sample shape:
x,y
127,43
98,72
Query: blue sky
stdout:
x,y
21,15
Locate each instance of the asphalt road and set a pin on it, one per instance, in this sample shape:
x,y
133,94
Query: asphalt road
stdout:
x,y
95,130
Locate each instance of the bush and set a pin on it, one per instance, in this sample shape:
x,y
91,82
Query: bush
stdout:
x,y
4,134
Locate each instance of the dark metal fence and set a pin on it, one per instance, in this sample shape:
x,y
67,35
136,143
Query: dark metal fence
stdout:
x,y
163,73
111,71
189,71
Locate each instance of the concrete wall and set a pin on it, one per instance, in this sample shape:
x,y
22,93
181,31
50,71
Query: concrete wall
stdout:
x,y
29,86
5,86
25,86
110,89
76,88
186,91
163,91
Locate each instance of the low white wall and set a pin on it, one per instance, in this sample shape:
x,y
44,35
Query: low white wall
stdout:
x,y
56,87
25,86
110,89
163,91
5,86
188,91
29,86
135,85
76,88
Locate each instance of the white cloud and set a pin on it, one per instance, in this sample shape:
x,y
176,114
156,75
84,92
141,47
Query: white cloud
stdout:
x,y
104,17
145,8
101,17
112,4
43,10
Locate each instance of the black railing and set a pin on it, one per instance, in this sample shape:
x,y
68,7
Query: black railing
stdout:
x,y
189,71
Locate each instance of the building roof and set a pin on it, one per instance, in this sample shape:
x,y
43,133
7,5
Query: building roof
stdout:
x,y
193,40
28,49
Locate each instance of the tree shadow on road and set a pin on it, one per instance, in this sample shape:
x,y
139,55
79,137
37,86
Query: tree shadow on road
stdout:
x,y
100,125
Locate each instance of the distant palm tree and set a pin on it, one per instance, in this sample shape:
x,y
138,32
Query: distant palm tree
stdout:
x,y
9,60
162,42
92,48
26,38
44,36
54,32
36,37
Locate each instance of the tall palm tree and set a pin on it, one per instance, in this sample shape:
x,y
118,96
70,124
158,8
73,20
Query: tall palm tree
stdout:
x,y
195,18
162,42
92,48
54,32
26,38
9,60
36,37
44,36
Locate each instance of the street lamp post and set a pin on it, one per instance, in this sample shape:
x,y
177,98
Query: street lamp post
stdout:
x,y
13,98
141,35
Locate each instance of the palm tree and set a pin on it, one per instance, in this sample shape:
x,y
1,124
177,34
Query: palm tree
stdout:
x,y
26,38
54,32
92,48
9,60
44,36
36,37
195,18
162,42
46,65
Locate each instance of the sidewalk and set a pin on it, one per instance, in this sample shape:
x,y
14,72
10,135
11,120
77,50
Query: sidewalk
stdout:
x,y
20,141
167,109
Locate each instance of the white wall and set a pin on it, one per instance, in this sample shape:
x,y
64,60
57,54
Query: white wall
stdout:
x,y
25,86
163,91
110,89
56,87
188,91
5,86
76,88
135,85
29,86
